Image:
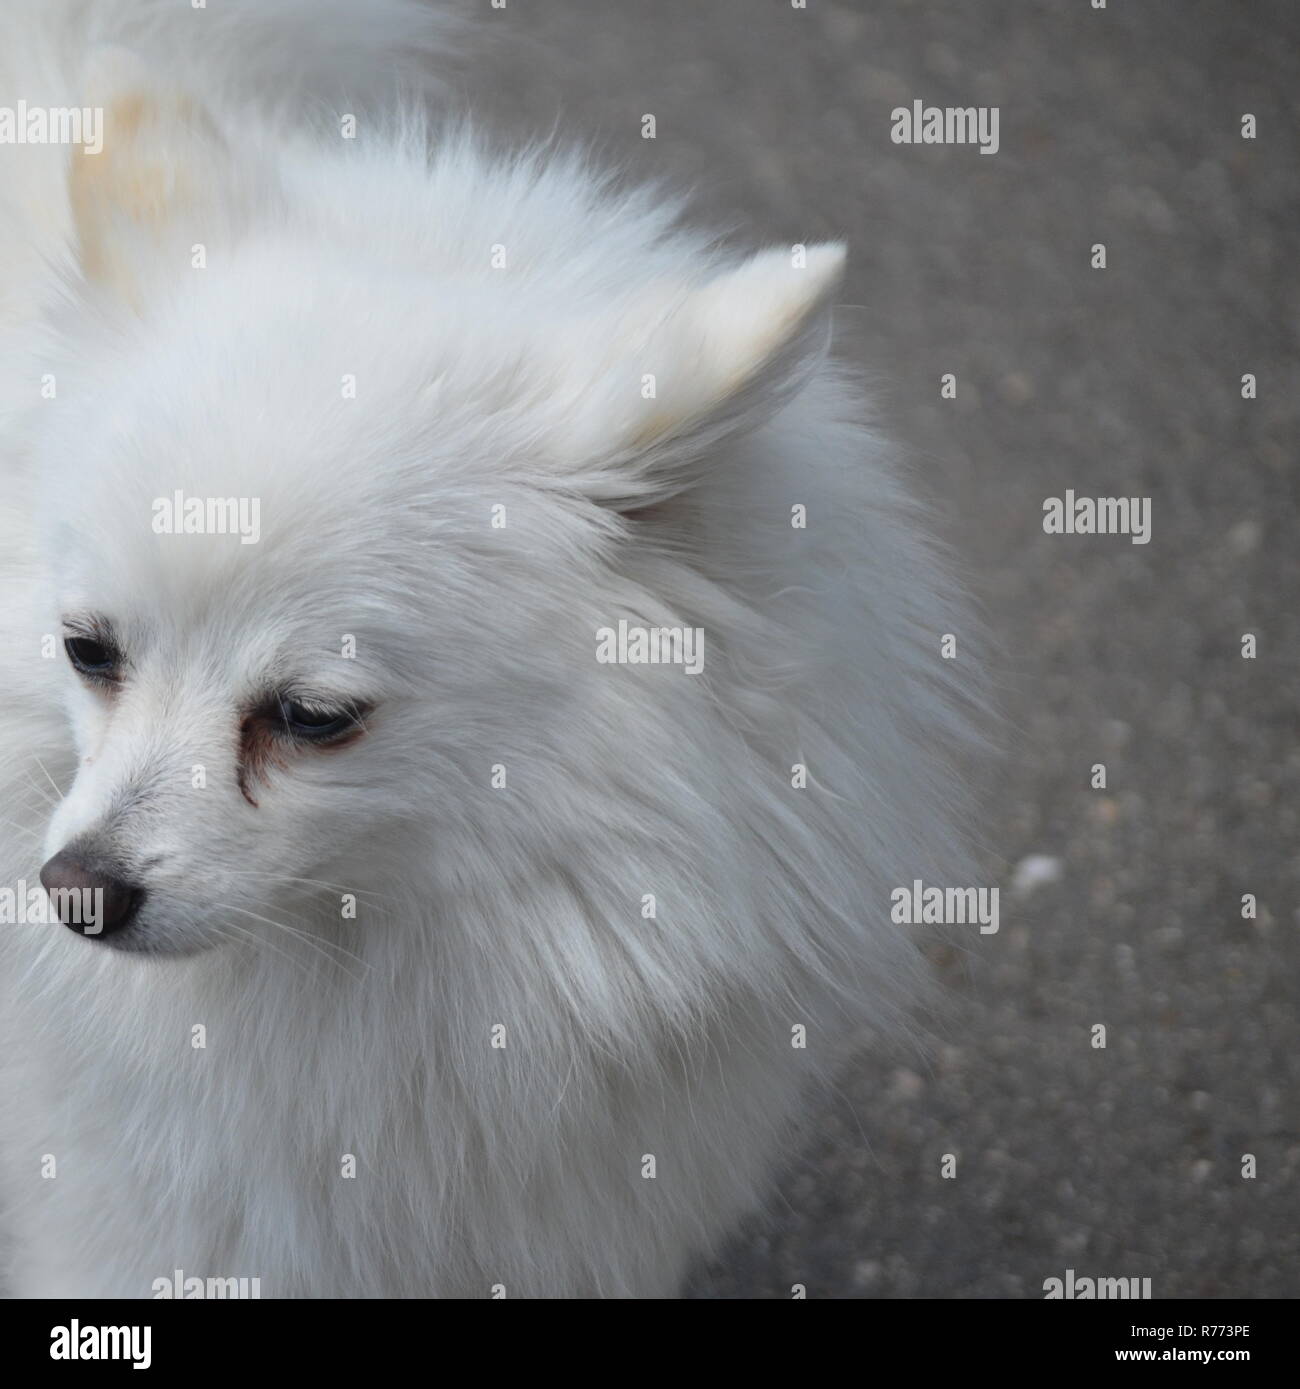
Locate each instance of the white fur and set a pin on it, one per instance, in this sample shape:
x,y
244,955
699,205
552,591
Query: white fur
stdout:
x,y
476,387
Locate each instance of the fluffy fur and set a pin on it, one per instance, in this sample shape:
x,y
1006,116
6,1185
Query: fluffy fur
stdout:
x,y
479,906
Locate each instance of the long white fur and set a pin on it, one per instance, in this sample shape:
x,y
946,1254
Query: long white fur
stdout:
x,y
521,907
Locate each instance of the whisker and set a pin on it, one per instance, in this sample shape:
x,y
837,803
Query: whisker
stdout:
x,y
23,829
259,941
304,936
310,935
49,778
44,797
315,882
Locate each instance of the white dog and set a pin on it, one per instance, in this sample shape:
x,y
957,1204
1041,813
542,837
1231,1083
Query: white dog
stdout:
x,y
463,643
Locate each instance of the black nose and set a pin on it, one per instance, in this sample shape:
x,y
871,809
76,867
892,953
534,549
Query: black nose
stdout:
x,y
89,899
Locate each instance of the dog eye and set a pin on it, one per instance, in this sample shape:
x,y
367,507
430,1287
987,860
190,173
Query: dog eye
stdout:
x,y
92,658
317,725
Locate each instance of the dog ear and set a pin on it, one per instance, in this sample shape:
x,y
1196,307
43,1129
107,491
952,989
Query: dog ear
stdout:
x,y
717,359
151,194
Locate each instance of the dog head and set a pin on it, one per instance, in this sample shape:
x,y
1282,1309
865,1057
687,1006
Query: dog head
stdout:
x,y
334,502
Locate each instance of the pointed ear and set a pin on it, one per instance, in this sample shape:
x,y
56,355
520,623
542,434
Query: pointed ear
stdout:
x,y
720,358
148,194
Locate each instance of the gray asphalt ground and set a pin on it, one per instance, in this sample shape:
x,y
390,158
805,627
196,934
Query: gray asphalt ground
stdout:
x,y
1119,126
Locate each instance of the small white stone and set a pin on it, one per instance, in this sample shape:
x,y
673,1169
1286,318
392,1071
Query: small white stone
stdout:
x,y
1244,537
905,1084
1035,871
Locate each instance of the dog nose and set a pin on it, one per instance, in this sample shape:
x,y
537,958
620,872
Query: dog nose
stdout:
x,y
89,900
